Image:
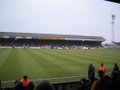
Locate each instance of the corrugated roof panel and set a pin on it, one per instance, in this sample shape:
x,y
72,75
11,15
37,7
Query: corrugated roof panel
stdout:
x,y
54,36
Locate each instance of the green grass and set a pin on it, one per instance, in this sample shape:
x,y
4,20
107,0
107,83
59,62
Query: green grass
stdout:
x,y
42,64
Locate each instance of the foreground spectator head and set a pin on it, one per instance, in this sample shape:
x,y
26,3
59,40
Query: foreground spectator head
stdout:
x,y
44,85
100,74
116,68
25,77
84,81
101,83
101,64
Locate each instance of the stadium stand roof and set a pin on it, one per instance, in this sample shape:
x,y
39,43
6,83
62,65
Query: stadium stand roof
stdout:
x,y
49,36
116,1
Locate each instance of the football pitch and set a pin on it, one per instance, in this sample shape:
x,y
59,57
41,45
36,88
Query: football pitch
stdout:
x,y
51,63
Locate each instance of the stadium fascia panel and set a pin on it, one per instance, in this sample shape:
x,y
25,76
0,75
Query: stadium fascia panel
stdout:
x,y
50,37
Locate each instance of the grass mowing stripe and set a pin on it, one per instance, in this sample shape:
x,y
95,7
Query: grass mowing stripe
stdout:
x,y
108,57
74,59
56,63
66,61
64,58
61,58
113,56
10,68
2,49
86,58
98,53
82,61
49,64
4,53
93,56
30,67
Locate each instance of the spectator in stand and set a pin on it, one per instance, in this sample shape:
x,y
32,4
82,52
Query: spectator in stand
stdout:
x,y
101,83
44,85
25,81
91,72
116,68
102,68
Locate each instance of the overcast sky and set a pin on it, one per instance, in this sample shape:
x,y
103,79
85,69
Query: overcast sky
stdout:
x,y
74,17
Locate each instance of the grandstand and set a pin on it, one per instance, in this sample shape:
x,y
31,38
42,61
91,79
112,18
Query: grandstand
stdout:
x,y
51,40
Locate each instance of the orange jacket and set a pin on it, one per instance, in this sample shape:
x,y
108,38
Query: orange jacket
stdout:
x,y
102,68
25,82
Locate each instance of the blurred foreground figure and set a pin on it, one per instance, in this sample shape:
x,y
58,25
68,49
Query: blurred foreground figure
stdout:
x,y
101,83
116,68
44,85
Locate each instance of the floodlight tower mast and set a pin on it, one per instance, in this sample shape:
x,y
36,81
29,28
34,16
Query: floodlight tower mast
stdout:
x,y
112,33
